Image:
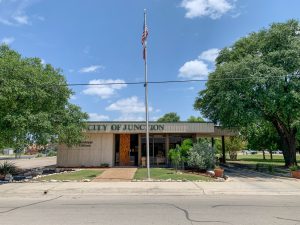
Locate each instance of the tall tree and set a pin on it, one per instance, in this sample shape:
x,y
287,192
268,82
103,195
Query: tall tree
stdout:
x,y
195,119
34,103
266,65
169,117
262,136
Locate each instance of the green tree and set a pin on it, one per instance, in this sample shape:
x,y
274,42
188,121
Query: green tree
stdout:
x,y
169,117
267,64
233,145
34,103
194,119
262,136
175,156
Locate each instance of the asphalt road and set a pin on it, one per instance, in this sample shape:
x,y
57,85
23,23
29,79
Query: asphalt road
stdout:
x,y
144,210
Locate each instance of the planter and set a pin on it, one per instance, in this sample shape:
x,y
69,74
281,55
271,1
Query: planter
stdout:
x,y
296,174
219,172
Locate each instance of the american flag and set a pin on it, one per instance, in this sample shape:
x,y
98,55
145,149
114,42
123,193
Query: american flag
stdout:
x,y
144,39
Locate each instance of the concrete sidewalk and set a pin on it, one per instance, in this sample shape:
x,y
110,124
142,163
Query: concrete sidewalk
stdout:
x,y
116,174
150,188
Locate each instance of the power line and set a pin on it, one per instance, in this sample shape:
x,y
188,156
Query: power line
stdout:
x,y
174,81
163,82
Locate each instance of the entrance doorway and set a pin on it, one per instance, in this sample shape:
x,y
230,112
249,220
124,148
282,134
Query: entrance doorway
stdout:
x,y
126,149
157,150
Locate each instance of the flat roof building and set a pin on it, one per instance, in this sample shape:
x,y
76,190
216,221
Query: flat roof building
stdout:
x,y
124,143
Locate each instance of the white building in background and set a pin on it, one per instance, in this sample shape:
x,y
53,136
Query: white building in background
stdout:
x,y
124,143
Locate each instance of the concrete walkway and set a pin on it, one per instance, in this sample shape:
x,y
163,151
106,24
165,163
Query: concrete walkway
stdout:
x,y
116,174
53,189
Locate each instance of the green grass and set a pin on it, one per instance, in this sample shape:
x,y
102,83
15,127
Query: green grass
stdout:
x,y
258,158
73,176
165,174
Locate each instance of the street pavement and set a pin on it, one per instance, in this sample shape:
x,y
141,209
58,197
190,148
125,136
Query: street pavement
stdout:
x,y
246,198
150,209
130,203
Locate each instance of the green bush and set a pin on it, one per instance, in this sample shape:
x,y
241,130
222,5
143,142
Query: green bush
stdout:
x,y
201,156
294,168
259,166
104,165
51,153
8,168
271,168
175,156
40,155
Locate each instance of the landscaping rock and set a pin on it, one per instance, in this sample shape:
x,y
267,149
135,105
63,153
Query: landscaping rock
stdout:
x,y
8,177
86,180
211,173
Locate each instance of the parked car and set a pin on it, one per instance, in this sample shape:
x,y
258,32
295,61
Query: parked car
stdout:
x,y
249,152
277,152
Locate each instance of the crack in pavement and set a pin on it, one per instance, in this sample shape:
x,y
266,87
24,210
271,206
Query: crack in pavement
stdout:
x,y
35,203
201,188
264,206
186,212
280,218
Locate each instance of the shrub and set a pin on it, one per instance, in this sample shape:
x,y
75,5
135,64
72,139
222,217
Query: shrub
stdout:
x,y
271,169
8,168
175,156
294,168
201,156
104,165
51,153
259,166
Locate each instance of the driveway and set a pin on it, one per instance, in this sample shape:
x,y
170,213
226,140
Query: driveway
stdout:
x,y
33,162
241,174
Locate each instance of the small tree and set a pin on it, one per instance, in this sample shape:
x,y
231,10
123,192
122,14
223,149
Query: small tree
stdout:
x,y
201,156
233,145
169,117
175,156
194,119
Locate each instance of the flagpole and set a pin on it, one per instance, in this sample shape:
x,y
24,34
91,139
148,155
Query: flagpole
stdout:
x,y
146,101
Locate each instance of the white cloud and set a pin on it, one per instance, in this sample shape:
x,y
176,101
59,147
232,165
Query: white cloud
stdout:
x,y
131,109
130,117
195,69
7,40
129,105
13,12
91,69
198,69
104,91
43,61
211,8
210,55
21,19
97,117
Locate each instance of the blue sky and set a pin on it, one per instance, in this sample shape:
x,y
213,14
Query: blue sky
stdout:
x,y
99,41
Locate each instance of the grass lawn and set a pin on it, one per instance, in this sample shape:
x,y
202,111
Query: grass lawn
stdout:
x,y
258,158
73,176
165,174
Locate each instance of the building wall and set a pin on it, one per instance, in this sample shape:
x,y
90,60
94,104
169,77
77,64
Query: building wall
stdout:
x,y
97,149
